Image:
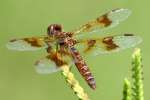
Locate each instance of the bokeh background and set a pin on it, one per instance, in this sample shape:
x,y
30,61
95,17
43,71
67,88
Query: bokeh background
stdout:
x,y
22,18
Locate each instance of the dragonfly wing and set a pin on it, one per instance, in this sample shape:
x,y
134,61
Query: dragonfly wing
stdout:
x,y
108,44
52,63
46,66
108,20
28,44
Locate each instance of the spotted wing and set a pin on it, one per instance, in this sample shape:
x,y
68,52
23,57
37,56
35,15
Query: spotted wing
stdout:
x,y
51,63
108,44
28,44
108,20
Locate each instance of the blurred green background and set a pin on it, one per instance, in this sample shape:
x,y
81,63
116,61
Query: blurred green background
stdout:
x,y
22,18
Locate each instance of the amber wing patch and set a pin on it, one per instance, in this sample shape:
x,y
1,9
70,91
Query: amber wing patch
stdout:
x,y
25,44
108,44
107,20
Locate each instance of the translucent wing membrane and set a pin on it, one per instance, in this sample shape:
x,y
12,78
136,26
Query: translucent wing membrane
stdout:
x,y
105,21
52,63
108,44
46,66
28,44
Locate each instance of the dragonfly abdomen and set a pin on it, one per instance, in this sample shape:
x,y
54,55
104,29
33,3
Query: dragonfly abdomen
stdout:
x,y
83,68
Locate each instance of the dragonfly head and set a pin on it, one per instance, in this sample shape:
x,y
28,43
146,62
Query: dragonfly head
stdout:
x,y
54,29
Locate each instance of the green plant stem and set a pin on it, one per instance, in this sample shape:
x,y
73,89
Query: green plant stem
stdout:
x,y
127,90
74,84
137,76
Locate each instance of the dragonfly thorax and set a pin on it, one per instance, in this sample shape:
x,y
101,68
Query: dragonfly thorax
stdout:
x,y
67,41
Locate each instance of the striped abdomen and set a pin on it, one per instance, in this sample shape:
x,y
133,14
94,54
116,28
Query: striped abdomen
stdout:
x,y
83,68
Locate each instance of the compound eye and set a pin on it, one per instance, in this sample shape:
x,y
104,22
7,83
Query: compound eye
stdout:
x,y
57,28
54,29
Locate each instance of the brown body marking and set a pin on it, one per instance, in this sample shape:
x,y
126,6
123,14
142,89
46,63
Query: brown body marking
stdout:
x,y
83,68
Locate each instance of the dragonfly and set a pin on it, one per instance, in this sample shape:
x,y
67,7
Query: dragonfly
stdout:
x,y
65,48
